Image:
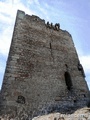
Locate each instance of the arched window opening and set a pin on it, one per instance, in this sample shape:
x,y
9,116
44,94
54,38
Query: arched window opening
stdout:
x,y
68,80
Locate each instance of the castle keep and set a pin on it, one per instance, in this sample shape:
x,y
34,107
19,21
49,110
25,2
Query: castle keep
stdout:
x,y
43,73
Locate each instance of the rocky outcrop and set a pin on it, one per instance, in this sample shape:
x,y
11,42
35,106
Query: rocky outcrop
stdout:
x,y
81,114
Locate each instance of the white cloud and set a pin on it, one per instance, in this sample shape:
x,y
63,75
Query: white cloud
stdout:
x,y
85,61
2,66
7,18
5,40
41,11
33,2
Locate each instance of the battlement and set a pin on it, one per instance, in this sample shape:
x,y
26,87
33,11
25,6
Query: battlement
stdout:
x,y
43,72
41,22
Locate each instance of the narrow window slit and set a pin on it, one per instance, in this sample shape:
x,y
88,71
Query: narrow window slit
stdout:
x,y
50,46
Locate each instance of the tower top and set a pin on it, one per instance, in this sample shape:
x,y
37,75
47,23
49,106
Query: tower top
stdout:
x,y
39,21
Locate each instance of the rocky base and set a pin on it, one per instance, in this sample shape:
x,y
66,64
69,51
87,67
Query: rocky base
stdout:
x,y
80,114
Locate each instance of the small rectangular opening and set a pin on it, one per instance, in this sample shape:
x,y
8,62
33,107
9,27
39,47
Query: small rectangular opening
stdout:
x,y
50,46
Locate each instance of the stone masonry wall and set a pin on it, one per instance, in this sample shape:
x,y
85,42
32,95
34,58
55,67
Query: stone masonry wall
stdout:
x,y
35,73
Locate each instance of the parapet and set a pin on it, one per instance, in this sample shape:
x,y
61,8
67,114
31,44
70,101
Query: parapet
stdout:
x,y
22,15
37,22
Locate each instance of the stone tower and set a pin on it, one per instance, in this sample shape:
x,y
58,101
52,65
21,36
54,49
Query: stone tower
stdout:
x,y
43,73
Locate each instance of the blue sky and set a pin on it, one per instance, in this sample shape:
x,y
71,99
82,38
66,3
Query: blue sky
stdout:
x,y
73,16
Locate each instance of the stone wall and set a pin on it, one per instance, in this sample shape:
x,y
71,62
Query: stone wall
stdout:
x,y
35,73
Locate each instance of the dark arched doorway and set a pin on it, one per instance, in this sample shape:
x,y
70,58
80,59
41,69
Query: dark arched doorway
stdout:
x,y
68,80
